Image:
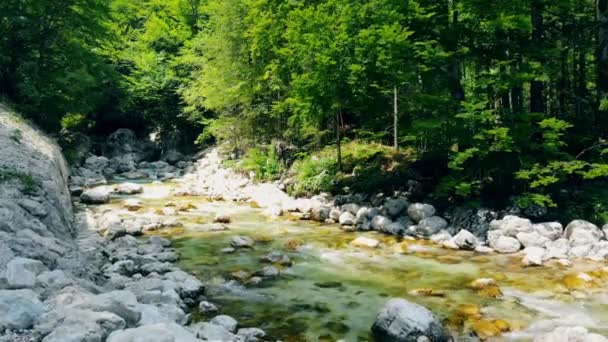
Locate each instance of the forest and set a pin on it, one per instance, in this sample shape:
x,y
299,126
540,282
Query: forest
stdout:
x,y
490,103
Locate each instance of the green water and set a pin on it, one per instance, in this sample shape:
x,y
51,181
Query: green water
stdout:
x,y
334,290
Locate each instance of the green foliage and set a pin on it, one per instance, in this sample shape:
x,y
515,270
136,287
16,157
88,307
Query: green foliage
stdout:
x,y
75,122
28,184
263,161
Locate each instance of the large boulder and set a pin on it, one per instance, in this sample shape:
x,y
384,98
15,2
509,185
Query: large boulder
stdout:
x,y
395,206
129,189
430,225
21,272
420,211
550,230
511,225
74,325
403,321
162,332
476,221
19,309
465,240
380,222
100,195
505,244
582,233
558,249
347,219
532,239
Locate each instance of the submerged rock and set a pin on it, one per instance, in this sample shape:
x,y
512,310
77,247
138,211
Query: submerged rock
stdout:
x,y
129,189
362,241
242,242
99,195
403,321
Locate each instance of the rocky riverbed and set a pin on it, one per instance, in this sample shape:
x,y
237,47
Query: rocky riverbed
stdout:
x,y
183,249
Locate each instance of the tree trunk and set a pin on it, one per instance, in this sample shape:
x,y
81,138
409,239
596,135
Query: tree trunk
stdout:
x,y
537,88
454,73
338,139
602,51
395,120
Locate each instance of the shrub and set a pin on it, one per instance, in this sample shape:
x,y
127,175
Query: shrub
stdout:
x,y
263,161
75,122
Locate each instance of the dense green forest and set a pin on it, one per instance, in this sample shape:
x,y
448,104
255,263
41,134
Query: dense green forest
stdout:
x,y
487,101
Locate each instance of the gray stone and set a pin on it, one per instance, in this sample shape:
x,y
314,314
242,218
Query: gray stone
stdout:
x,y
225,321
83,325
251,334
99,195
161,332
129,189
159,240
242,242
379,222
395,206
558,249
206,307
320,214
532,239
420,211
430,225
19,309
334,214
511,225
212,332
54,280
21,272
403,321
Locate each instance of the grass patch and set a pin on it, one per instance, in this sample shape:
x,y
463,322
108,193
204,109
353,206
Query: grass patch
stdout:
x,y
366,167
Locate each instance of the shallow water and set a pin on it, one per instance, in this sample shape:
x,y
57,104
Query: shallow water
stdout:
x,y
334,290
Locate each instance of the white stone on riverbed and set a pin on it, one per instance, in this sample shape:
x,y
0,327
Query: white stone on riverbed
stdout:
x,y
533,256
162,332
505,244
582,233
132,204
129,189
347,219
363,241
465,240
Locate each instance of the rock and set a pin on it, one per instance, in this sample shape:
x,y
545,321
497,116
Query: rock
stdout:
x,y
482,283
476,221
532,239
225,321
53,280
99,195
320,214
129,189
362,241
212,332
599,251
430,225
581,232
132,204
395,206
74,325
161,332
19,309
347,219
505,244
533,256
122,267
276,258
352,208
379,222
605,230
465,240
420,211
187,285
550,230
172,156
570,334
441,237
579,251
510,225
394,228
222,218
160,313
159,240
403,321
273,211
484,250
242,242
21,272
334,214
251,334
206,307
268,272
558,249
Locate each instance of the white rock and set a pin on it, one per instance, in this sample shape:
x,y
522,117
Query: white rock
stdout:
x,y
334,214
532,239
420,211
225,321
379,222
550,230
558,249
129,189
484,250
347,219
511,225
362,241
570,334
465,240
505,244
132,204
533,256
100,195
581,233
440,237
599,251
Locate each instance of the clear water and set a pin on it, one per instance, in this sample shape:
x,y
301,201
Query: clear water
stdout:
x,y
334,290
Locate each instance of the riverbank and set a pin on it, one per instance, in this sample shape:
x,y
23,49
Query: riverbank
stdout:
x,y
180,208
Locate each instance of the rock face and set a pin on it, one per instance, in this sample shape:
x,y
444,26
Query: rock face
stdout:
x,y
19,309
403,321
